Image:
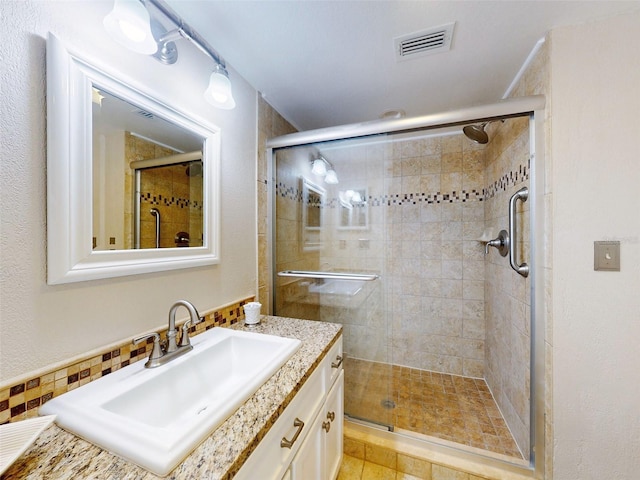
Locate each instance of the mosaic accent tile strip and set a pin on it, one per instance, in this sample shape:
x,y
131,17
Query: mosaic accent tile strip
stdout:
x,y
169,202
502,184
21,400
508,180
291,193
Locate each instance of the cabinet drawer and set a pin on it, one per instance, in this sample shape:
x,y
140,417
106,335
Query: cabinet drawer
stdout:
x,y
271,460
333,364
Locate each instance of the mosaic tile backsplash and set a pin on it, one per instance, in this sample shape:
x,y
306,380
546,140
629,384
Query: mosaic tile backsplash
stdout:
x,y
21,399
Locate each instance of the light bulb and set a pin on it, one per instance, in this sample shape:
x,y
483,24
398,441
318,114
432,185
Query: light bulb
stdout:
x,y
132,31
319,167
331,177
129,25
218,92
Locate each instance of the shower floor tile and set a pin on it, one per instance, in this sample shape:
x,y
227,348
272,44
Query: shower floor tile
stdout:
x,y
453,408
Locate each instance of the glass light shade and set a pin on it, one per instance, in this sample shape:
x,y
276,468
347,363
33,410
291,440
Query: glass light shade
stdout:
x,y
129,25
319,167
218,92
331,177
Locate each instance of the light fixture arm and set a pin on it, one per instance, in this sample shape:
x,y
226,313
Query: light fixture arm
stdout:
x,y
319,156
322,167
183,30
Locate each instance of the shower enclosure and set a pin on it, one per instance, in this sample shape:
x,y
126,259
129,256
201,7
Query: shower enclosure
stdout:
x,y
394,230
167,201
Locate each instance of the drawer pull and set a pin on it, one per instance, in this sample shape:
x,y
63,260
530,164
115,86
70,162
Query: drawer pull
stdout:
x,y
326,426
284,443
338,363
331,416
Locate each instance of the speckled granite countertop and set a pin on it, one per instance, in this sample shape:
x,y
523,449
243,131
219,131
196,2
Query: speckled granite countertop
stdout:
x,y
58,454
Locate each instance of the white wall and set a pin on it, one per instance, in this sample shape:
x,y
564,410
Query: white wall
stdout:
x,y
595,138
40,324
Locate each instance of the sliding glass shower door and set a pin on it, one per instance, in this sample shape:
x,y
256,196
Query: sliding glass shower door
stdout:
x,y
387,234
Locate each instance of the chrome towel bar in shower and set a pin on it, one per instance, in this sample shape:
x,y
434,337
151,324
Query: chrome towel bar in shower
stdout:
x,y
328,275
522,194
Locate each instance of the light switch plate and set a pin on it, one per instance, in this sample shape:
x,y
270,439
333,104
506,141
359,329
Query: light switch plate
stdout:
x,y
606,256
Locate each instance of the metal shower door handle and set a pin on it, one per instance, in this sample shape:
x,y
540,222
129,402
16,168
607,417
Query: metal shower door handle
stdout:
x,y
522,194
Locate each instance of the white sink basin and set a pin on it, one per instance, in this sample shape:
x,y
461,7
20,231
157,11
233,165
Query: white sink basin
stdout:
x,y
156,417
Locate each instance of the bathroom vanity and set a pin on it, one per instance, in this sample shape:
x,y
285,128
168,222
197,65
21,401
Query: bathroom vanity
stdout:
x,y
291,427
306,441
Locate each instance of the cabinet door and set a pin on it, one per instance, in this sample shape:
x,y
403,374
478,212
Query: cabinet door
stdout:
x,y
334,409
308,464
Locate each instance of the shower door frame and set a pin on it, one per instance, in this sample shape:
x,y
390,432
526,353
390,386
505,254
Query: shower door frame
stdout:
x,y
532,106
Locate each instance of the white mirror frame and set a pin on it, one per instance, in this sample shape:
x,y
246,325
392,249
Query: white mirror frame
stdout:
x,y
70,257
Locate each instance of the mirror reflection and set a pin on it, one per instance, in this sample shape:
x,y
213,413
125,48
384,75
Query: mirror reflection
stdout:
x,y
353,213
312,201
147,178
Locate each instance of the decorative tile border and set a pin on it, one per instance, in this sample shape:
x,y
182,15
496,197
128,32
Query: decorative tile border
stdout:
x,y
502,184
507,180
20,400
159,199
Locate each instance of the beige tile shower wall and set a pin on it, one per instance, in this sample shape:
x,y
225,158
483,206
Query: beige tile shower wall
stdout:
x,y
507,296
196,221
270,124
435,268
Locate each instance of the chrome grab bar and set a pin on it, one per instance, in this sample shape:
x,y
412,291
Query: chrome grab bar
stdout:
x,y
328,275
522,194
156,213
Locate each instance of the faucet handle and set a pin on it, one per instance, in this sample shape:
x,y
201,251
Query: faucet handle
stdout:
x,y
184,338
156,351
501,243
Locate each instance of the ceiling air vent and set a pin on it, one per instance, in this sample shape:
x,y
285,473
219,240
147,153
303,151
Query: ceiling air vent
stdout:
x,y
425,42
145,114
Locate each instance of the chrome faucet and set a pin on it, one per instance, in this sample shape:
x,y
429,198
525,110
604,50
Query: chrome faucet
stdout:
x,y
172,332
172,350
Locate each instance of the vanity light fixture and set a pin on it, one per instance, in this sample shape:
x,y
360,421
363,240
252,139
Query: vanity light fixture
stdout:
x,y
133,23
129,24
219,93
322,167
331,178
96,96
319,167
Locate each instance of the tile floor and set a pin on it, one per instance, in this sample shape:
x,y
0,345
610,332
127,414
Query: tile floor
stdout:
x,y
400,468
450,407
353,468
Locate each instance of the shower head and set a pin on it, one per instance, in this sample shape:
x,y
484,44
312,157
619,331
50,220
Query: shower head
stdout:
x,y
476,133
194,169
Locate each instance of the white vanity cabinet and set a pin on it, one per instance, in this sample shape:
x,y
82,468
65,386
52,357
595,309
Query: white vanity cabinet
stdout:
x,y
305,443
321,452
334,435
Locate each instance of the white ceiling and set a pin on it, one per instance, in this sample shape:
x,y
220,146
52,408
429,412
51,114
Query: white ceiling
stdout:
x,y
324,63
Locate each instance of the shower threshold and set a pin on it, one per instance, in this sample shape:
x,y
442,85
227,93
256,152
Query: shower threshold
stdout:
x,y
448,407
369,423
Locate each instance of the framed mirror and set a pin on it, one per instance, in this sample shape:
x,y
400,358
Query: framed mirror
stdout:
x,y
353,209
312,213
115,152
